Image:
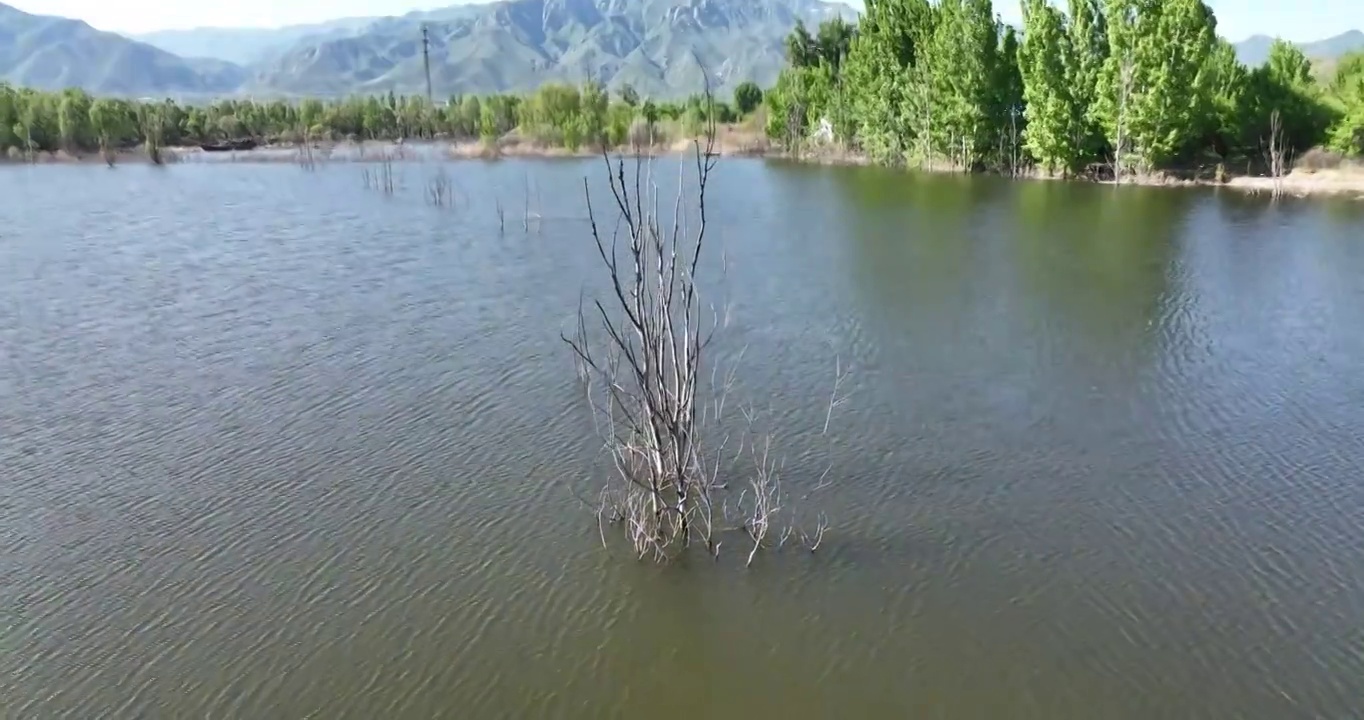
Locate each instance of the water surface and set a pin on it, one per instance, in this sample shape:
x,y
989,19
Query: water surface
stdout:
x,y
274,445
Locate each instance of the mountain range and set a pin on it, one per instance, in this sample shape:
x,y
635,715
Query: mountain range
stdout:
x,y
1254,50
663,48
53,53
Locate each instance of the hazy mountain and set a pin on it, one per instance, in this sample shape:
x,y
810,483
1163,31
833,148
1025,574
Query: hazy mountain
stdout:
x,y
1254,50
244,46
53,53
658,46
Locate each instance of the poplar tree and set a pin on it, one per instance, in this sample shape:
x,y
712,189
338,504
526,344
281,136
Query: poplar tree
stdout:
x,y
1088,34
1149,98
1051,106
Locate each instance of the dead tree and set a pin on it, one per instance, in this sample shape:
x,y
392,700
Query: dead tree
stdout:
x,y
656,401
795,128
306,158
380,179
649,366
1125,81
440,191
1276,155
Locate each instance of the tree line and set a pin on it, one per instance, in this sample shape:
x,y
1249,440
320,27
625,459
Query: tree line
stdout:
x,y
562,115
1128,85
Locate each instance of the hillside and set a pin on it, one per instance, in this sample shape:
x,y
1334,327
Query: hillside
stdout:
x,y
661,47
1254,50
53,53
245,46
658,46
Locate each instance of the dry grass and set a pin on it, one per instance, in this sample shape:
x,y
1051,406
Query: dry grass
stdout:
x,y
1347,180
1318,159
62,157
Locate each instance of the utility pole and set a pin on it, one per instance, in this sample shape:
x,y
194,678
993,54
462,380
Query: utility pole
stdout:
x,y
426,60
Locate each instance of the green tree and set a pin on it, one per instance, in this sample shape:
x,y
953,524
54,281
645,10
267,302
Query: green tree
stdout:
x,y
801,49
553,114
73,114
1010,102
488,126
1284,85
965,47
1346,135
107,122
747,97
1051,106
884,68
795,104
618,119
1224,92
230,126
1088,50
311,112
468,117
833,41
9,117
593,117
1149,96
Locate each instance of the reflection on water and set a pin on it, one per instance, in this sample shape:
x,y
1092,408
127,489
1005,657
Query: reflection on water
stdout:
x,y
275,446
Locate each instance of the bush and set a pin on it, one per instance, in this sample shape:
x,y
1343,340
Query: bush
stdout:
x,y
1318,159
747,97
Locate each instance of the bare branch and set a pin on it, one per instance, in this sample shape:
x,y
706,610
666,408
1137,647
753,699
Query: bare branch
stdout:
x,y
642,365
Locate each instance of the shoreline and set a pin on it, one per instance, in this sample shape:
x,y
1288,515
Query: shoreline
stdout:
x,y
1347,181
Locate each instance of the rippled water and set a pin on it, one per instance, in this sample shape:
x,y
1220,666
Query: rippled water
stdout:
x,y
272,445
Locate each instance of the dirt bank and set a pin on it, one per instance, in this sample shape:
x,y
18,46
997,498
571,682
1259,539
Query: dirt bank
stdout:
x,y
1343,179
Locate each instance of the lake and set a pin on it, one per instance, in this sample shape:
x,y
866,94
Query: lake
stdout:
x,y
273,444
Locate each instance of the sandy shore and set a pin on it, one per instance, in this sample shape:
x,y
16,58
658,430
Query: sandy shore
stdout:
x,y
1344,182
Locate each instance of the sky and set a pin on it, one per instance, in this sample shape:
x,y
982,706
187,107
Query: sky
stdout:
x,y
1298,20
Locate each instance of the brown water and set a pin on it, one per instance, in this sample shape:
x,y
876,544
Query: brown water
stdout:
x,y
275,446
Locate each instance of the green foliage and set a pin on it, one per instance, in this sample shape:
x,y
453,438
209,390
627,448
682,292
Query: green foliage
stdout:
x,y
618,119
1226,93
801,49
1009,102
1285,85
1150,96
650,112
1088,36
1141,84
833,41
113,124
1052,106
812,88
1347,92
569,116
797,102
593,114
830,44
9,116
885,73
747,97
965,45
557,114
